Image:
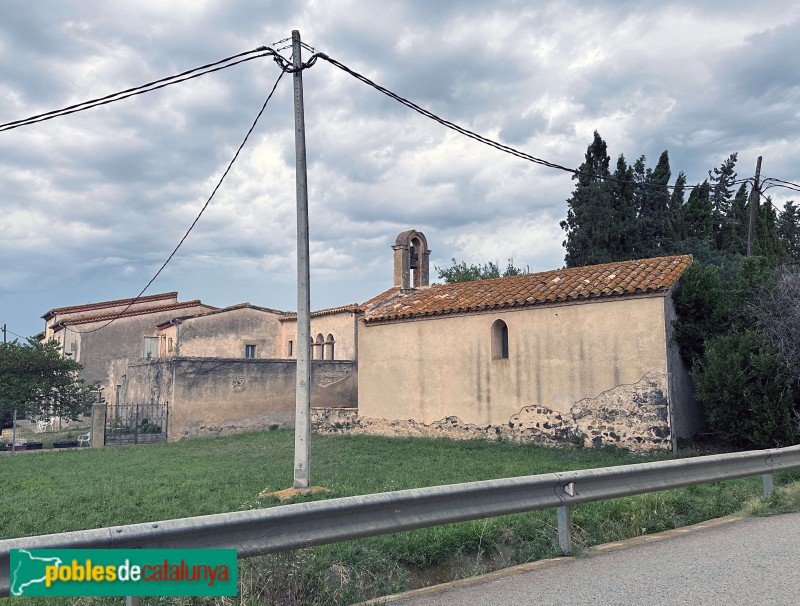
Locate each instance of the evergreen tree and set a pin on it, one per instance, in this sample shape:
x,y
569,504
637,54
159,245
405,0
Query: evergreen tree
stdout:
x,y
676,211
721,181
737,221
766,242
788,231
654,214
627,240
591,221
698,220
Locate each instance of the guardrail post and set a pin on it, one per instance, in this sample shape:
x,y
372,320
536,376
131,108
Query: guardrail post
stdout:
x,y
564,534
767,483
133,601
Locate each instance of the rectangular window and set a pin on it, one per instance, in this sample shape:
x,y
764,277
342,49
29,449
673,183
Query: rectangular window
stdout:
x,y
249,351
150,347
291,348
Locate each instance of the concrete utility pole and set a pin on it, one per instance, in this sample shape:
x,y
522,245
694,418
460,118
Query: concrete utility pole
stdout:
x,y
754,194
302,422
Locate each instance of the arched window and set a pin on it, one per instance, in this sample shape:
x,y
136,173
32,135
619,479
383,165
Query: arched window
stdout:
x,y
329,347
318,347
499,340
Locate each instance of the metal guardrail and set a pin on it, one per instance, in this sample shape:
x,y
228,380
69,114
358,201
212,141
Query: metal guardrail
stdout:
x,y
287,527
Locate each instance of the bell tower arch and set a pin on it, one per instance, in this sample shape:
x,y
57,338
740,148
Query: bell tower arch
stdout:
x,y
411,260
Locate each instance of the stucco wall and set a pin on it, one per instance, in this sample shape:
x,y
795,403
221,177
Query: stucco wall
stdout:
x,y
123,338
558,356
224,335
341,325
217,396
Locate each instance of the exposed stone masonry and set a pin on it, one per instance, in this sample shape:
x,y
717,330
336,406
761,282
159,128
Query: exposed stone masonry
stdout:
x,y
634,416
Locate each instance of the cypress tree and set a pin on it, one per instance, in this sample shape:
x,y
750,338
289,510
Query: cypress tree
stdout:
x,y
591,221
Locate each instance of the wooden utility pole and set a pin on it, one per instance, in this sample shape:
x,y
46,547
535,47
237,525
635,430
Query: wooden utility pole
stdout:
x,y
754,194
302,422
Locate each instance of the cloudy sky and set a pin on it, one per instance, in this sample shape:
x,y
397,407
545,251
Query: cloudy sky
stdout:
x,y
91,204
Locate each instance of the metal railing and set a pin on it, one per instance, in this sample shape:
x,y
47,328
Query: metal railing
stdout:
x,y
288,527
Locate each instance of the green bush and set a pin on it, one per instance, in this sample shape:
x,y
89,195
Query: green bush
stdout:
x,y
748,392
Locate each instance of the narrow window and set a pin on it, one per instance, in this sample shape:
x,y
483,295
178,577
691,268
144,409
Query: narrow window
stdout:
x,y
250,351
329,347
499,340
169,345
150,347
318,347
290,349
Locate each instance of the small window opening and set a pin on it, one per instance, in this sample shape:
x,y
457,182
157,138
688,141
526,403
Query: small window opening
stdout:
x,y
499,340
250,351
290,349
150,347
329,342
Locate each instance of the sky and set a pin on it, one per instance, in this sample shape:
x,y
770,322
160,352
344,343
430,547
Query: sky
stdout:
x,y
92,204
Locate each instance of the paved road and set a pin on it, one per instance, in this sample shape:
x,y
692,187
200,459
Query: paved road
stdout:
x,y
750,562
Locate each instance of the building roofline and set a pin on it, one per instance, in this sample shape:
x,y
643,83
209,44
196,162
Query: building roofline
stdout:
x,y
129,314
180,319
354,308
106,304
567,285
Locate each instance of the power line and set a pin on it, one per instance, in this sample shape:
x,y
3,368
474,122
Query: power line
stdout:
x,y
197,218
490,142
196,72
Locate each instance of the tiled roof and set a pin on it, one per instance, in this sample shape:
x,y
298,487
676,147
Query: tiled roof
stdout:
x,y
623,278
137,312
352,308
220,311
105,304
368,306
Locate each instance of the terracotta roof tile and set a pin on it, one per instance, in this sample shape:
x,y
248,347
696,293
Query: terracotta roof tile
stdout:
x,y
105,304
137,312
352,308
622,278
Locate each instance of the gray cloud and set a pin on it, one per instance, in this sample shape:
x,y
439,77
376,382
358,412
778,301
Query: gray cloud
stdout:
x,y
91,204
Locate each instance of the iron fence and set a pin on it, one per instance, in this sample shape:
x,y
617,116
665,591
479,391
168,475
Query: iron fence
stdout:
x,y
136,423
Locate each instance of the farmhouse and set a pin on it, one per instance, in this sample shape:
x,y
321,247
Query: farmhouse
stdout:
x,y
582,354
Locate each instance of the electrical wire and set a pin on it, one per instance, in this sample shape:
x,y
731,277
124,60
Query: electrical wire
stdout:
x,y
263,51
576,173
197,218
13,333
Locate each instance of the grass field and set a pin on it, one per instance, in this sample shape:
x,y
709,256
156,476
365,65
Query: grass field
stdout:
x,y
47,492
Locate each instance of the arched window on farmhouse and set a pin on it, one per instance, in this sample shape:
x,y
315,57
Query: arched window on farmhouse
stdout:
x,y
329,347
499,340
319,346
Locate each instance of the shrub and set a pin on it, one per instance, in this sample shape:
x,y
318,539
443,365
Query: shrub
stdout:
x,y
748,391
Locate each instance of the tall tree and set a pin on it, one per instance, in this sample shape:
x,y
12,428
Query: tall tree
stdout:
x,y
788,229
676,212
721,181
736,225
698,218
627,237
591,221
654,215
767,243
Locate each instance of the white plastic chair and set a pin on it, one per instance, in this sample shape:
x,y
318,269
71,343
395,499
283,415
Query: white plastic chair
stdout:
x,y
84,439
42,426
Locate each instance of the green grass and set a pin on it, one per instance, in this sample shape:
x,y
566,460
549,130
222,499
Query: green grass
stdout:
x,y
61,491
